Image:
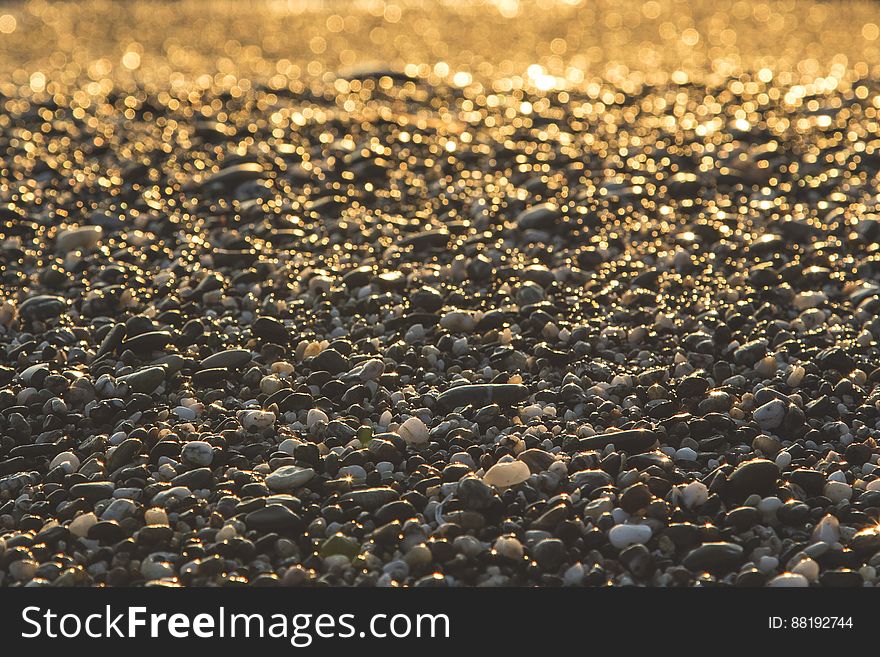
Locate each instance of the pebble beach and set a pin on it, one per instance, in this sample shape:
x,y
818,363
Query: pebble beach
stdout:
x,y
402,294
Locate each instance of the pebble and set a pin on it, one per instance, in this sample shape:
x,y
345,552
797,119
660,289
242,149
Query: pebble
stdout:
x,y
256,420
67,460
809,299
273,518
539,217
145,380
413,431
81,525
369,370
549,553
339,545
633,441
695,494
457,321
506,394
754,476
23,569
685,454
509,547
153,569
622,536
156,517
289,477
789,580
838,492
185,413
289,445
315,416
228,359
807,568
505,475
197,453
371,498
119,509
770,415
81,237
718,557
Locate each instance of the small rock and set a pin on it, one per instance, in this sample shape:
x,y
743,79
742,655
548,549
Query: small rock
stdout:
x,y
789,580
288,477
315,416
156,569
505,475
339,545
694,494
256,420
67,460
197,453
82,237
145,380
413,431
838,492
622,536
771,414
480,395
81,525
549,554
720,557
229,359
757,476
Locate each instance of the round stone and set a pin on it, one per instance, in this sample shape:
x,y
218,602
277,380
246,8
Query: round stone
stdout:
x,y
505,475
289,477
622,536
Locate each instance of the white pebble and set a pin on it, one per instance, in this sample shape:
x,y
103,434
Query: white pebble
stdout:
x,y
789,580
838,492
67,460
225,533
256,420
622,536
767,564
81,525
458,321
288,445
315,416
796,376
82,237
288,477
809,299
413,431
694,494
771,414
504,475
808,568
574,575
370,370
827,530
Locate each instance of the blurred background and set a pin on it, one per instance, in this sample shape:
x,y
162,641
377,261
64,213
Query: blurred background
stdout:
x,y
231,43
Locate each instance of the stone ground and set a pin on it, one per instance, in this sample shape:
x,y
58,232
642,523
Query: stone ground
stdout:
x,y
464,294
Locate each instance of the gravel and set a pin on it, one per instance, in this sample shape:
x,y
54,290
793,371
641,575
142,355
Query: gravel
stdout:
x,y
415,326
